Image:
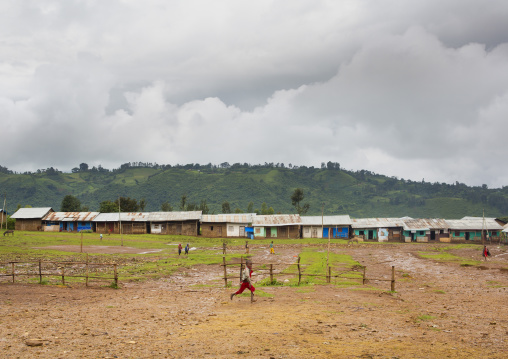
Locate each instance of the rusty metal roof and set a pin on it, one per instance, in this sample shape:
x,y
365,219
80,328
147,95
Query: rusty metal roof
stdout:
x,y
377,222
344,220
424,224
174,216
31,213
228,218
275,220
473,223
70,216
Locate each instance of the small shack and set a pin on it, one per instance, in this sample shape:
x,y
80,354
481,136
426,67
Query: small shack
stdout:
x,y
226,225
69,221
378,229
30,219
326,226
277,226
178,223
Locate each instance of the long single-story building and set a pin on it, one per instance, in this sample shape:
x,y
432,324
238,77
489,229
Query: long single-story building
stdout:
x,y
277,226
378,229
425,230
30,219
130,223
69,221
177,223
226,225
471,229
326,226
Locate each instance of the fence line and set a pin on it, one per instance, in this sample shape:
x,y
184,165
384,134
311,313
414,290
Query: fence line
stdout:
x,y
300,274
38,271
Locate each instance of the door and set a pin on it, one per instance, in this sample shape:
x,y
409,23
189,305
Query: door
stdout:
x,y
242,231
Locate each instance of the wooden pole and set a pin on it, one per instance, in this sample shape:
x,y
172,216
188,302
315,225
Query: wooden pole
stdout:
x,y
329,274
81,250
116,276
12,267
393,279
241,268
299,272
120,220
271,273
225,271
364,274
87,269
63,275
40,272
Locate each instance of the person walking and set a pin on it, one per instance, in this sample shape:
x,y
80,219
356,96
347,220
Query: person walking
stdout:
x,y
246,281
179,248
486,252
246,247
272,251
187,249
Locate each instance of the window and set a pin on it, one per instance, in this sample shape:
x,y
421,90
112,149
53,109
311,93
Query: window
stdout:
x,y
257,230
211,228
494,233
231,228
457,234
307,230
361,233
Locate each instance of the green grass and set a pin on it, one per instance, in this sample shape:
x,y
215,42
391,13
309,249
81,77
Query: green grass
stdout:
x,y
425,317
442,255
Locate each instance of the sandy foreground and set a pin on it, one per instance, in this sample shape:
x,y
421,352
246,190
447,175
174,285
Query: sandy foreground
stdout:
x,y
439,310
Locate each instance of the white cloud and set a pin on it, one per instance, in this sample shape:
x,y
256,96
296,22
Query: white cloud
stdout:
x,y
415,90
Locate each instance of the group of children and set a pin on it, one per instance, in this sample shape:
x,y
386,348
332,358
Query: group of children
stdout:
x,y
180,248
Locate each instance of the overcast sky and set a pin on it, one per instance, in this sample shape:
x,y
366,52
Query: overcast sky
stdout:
x,y
414,89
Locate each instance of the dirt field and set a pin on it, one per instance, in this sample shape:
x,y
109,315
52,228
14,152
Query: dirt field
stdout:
x,y
439,310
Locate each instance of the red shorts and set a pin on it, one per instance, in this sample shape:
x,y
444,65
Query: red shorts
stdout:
x,y
244,286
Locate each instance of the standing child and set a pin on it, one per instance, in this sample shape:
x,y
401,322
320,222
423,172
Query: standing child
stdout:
x,y
179,248
486,252
246,281
272,251
101,236
187,249
246,247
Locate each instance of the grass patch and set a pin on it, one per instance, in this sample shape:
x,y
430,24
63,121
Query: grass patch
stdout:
x,y
438,291
425,318
257,293
448,257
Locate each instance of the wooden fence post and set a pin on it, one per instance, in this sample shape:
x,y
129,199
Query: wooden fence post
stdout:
x,y
116,276
12,267
329,274
364,267
225,272
271,273
393,279
241,268
299,271
87,269
40,272
63,275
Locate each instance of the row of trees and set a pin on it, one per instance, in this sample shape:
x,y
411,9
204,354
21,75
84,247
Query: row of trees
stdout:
x,y
71,203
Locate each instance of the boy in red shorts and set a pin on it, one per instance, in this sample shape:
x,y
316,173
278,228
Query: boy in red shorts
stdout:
x,y
246,281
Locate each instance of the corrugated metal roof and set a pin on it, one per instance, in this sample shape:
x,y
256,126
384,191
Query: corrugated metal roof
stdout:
x,y
70,216
174,216
228,218
29,213
473,223
275,220
343,220
125,217
149,216
376,222
424,224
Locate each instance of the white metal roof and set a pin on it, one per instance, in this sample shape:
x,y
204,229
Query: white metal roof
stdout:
x,y
125,217
275,220
343,220
174,216
31,213
473,223
376,222
424,224
228,218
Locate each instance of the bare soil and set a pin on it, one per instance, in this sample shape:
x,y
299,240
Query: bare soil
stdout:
x,y
439,310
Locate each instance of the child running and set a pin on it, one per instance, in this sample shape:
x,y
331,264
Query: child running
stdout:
x,y
246,281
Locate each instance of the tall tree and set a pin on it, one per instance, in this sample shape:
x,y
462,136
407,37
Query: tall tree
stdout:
x,y
183,203
296,198
70,204
203,207
250,207
225,207
108,207
166,207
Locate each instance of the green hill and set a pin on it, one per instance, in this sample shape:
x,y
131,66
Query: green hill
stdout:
x,y
359,194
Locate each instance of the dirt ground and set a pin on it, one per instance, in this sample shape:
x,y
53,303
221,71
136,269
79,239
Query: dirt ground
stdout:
x,y
439,310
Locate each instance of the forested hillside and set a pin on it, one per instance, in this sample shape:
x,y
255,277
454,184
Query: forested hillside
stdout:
x,y
338,191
